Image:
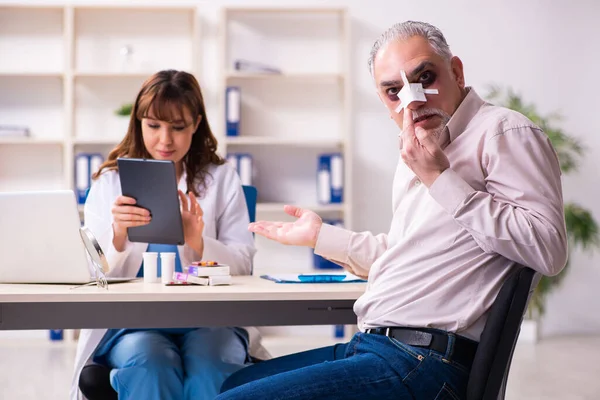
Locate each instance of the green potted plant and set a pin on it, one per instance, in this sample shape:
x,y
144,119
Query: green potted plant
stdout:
x,y
582,229
123,112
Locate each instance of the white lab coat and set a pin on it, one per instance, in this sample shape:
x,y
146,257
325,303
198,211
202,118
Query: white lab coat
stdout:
x,y
226,239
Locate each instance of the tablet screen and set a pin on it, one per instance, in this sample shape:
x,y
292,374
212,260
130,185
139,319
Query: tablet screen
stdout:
x,y
153,184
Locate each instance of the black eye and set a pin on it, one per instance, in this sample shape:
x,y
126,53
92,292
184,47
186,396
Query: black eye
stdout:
x,y
392,93
427,78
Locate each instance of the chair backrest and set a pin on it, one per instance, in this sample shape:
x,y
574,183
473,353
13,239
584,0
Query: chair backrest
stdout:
x,y
251,194
491,365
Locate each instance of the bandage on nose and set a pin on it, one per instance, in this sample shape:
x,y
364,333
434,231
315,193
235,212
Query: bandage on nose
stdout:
x,y
412,92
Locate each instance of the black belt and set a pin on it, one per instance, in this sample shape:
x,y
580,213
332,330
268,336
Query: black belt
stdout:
x,y
463,351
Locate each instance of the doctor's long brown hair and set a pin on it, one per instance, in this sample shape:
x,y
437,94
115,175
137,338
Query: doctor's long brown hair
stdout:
x,y
164,94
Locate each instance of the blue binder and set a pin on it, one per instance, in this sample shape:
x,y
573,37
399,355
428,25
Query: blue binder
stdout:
x,y
233,109
344,277
86,164
330,178
243,164
82,176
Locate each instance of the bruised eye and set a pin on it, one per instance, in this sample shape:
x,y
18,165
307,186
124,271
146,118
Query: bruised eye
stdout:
x,y
427,78
392,93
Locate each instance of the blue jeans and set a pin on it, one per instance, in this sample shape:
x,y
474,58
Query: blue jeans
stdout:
x,y
368,367
166,364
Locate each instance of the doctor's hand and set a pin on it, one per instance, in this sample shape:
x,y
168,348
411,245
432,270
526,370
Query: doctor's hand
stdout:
x,y
127,215
193,224
421,151
302,232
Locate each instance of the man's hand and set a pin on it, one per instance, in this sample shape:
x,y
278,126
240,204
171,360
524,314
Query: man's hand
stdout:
x,y
302,232
421,151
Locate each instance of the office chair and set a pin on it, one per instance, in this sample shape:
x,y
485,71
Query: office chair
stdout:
x,y
94,381
489,372
251,194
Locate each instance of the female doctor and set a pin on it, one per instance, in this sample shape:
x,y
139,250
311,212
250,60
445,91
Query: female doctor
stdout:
x,y
168,122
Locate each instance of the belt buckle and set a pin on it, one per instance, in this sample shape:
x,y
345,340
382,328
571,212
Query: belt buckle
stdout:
x,y
387,331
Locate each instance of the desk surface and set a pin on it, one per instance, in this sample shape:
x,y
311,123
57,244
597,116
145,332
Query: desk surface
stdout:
x,y
249,301
242,288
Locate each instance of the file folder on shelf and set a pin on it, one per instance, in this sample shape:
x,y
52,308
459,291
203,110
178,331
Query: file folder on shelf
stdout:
x,y
243,164
86,165
254,67
82,176
330,179
233,110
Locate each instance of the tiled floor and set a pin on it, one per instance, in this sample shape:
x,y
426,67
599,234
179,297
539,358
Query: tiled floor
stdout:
x,y
555,369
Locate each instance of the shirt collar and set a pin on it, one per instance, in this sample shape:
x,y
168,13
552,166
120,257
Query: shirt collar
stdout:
x,y
464,113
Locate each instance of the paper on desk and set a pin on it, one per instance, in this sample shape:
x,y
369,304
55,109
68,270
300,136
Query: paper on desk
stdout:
x,y
295,278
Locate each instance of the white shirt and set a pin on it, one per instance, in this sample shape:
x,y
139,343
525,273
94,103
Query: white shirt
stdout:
x,y
226,240
226,236
450,247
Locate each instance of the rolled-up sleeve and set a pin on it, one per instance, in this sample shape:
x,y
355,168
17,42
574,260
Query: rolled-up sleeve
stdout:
x,y
98,219
355,251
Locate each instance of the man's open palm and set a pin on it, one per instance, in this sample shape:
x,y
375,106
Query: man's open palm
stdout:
x,y
302,232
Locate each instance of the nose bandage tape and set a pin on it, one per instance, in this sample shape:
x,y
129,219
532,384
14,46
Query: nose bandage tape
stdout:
x,y
412,92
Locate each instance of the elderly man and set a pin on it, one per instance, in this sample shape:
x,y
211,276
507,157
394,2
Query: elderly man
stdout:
x,y
477,191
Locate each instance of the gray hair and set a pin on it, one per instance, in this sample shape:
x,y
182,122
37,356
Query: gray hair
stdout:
x,y
406,30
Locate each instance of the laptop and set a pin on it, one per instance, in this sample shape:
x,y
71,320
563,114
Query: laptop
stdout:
x,y
40,239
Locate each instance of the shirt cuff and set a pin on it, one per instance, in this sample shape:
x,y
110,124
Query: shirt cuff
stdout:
x,y
333,242
450,190
115,258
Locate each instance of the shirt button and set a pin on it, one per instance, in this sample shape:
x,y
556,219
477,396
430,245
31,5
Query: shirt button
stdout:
x,y
417,182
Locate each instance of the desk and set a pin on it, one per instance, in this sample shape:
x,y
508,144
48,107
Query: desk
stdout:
x,y
249,301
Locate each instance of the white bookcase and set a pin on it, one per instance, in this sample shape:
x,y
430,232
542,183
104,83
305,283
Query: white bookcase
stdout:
x,y
32,94
64,70
288,119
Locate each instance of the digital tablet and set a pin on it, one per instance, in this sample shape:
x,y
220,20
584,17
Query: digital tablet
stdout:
x,y
153,184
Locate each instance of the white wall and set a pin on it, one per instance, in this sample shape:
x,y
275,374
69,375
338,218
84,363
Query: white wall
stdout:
x,y
548,50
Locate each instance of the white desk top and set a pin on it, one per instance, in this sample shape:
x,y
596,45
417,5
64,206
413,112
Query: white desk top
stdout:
x,y
242,288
